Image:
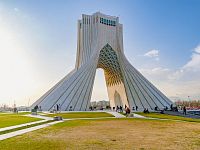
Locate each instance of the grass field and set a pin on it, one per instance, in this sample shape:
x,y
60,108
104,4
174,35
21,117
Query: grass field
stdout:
x,y
165,116
7,120
81,115
110,134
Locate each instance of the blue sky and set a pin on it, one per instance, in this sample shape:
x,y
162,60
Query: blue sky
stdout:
x,y
38,44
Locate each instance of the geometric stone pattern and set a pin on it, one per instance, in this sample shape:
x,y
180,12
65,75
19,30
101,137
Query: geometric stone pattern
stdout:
x,y
109,63
100,45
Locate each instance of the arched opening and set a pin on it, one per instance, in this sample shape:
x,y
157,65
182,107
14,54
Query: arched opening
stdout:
x,y
108,80
99,97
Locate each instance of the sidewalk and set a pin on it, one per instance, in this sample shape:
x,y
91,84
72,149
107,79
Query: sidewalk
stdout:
x,y
19,132
21,125
39,116
116,114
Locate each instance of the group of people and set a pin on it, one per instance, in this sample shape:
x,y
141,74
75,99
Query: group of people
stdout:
x,y
120,109
135,108
57,108
173,108
146,110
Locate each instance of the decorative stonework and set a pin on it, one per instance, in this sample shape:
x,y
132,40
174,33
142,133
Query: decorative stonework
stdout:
x,y
108,61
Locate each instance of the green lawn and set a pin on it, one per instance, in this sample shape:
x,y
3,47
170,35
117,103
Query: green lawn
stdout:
x,y
81,115
106,134
7,120
166,116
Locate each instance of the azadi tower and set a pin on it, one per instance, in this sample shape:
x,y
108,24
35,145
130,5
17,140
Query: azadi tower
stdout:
x,y
100,45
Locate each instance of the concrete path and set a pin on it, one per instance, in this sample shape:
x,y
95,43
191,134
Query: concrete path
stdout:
x,y
87,118
116,114
21,125
138,116
19,132
39,116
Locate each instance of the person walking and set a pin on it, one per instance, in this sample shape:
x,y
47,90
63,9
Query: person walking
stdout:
x,y
184,110
57,107
121,109
117,108
128,111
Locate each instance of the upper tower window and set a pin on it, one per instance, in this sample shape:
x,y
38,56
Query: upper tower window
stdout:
x,y
107,22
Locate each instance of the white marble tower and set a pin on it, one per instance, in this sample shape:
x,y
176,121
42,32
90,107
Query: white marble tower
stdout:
x,y
100,45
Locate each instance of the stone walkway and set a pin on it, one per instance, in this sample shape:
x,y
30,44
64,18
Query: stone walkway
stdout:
x,y
40,117
87,118
21,125
116,114
19,132
138,116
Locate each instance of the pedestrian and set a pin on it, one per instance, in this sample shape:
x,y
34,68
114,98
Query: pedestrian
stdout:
x,y
117,108
127,111
133,108
171,107
57,107
121,109
184,110
113,108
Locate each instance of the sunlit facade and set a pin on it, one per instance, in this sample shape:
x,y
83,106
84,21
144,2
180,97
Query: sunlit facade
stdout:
x,y
100,45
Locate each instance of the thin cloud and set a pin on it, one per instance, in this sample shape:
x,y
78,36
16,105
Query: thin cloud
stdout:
x,y
197,49
16,9
194,63
152,53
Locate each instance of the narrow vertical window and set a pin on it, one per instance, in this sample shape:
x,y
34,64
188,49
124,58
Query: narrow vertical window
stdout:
x,y
104,21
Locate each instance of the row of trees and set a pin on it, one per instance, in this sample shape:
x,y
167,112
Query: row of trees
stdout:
x,y
4,107
195,104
